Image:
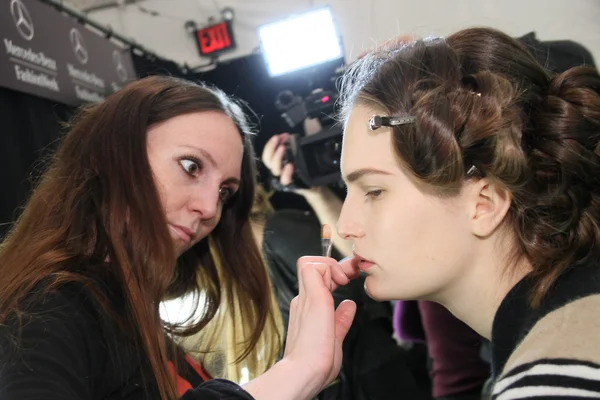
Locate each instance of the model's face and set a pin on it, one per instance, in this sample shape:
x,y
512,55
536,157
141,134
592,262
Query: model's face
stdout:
x,y
414,243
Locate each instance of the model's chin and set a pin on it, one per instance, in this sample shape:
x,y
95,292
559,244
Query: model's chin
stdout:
x,y
386,288
374,290
381,288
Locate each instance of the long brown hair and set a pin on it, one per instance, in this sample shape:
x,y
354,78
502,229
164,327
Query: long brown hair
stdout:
x,y
481,99
97,201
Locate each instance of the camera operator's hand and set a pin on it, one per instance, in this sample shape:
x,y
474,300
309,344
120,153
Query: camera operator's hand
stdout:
x,y
272,157
326,205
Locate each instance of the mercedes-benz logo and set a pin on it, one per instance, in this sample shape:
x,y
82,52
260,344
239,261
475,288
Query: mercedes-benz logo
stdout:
x,y
22,19
78,45
119,66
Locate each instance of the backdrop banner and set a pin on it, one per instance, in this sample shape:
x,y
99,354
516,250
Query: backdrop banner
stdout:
x,y
51,55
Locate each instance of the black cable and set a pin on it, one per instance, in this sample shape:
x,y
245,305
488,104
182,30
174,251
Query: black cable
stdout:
x,y
108,32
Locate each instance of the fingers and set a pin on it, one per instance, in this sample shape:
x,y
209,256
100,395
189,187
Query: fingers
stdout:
x,y
344,315
338,275
273,153
287,174
270,148
350,267
312,279
276,163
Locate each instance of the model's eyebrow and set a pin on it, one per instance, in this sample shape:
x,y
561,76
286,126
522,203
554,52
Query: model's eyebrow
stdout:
x,y
360,173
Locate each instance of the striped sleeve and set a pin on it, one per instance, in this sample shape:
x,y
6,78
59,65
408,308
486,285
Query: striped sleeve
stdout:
x,y
563,379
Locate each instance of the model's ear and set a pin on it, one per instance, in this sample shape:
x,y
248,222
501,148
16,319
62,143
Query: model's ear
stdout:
x,y
489,203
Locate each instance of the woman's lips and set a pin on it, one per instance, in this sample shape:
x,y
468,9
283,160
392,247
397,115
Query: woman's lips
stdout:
x,y
363,263
183,233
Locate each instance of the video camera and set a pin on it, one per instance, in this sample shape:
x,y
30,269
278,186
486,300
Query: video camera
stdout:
x,y
308,45
316,156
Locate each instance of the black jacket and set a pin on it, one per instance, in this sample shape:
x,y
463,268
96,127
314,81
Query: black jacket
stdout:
x,y
69,349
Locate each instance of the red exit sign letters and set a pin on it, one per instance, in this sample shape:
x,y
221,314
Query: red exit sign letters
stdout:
x,y
215,38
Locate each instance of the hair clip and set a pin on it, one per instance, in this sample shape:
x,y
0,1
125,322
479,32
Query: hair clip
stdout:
x,y
377,121
472,171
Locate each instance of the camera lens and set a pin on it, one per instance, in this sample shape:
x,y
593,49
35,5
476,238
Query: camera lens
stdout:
x,y
328,156
285,100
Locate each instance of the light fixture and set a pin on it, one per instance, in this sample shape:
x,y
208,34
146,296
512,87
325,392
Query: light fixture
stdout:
x,y
190,26
227,14
300,42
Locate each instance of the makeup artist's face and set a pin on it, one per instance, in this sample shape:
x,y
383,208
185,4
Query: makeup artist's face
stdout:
x,y
196,160
416,241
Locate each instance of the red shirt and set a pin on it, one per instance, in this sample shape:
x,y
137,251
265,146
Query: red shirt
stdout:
x,y
187,382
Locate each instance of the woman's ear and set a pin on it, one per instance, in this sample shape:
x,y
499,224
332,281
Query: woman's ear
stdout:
x,y
489,204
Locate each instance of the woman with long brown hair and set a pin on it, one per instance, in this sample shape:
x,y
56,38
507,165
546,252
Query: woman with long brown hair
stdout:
x,y
148,199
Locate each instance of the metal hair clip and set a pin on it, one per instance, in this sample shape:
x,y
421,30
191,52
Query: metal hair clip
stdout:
x,y
377,121
472,171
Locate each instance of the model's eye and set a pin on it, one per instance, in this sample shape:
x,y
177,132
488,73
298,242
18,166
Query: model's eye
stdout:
x,y
374,193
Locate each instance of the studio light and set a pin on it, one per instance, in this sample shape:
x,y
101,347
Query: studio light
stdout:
x,y
300,42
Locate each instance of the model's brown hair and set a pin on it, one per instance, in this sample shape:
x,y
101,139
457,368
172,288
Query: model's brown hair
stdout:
x,y
481,99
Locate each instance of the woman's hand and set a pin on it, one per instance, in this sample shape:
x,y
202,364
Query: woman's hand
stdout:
x,y
313,352
316,331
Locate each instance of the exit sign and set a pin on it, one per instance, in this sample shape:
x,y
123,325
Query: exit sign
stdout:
x,y
215,39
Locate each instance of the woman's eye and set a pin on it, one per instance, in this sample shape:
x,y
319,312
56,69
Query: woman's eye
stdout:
x,y
189,166
225,194
374,193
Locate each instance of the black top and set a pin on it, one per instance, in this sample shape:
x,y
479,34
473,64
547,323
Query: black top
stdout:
x,y
69,349
288,235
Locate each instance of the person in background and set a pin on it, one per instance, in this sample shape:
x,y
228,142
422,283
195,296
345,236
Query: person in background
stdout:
x,y
148,199
323,202
472,177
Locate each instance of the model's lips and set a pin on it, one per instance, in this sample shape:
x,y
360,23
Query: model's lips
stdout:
x,y
363,263
184,233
